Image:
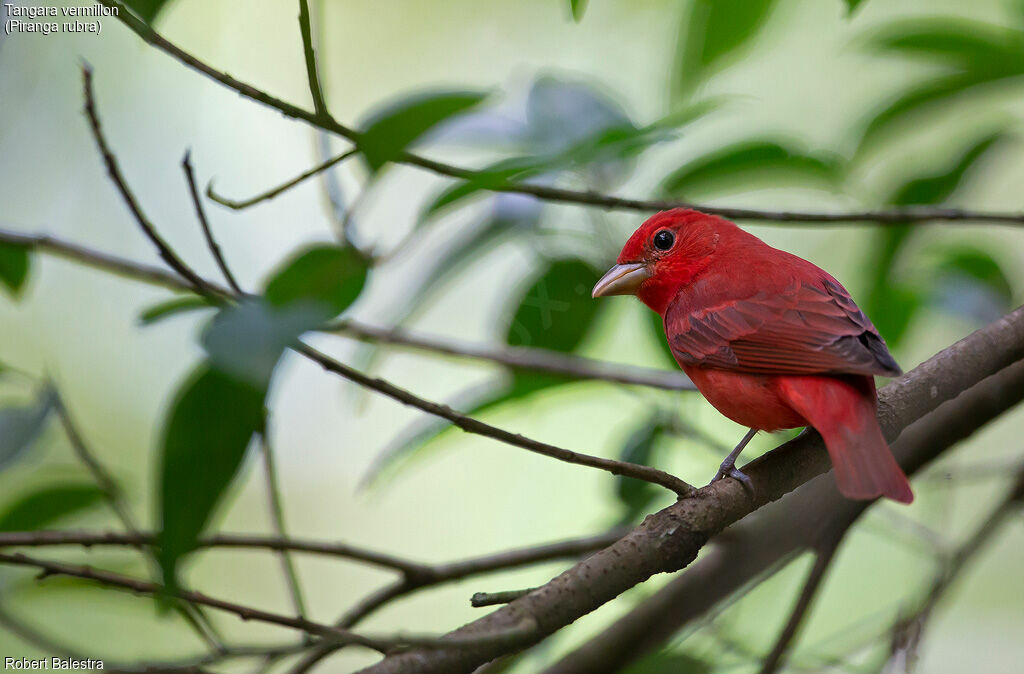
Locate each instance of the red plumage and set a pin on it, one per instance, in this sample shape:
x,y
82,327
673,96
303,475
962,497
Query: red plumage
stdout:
x,y
771,340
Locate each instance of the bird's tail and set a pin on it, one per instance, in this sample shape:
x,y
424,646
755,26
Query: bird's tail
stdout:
x,y
843,411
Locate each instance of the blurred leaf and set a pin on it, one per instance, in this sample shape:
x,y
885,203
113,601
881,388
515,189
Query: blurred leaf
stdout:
x,y
207,432
669,662
20,427
740,163
388,132
852,5
40,508
936,188
714,29
968,45
246,340
173,307
635,495
969,282
14,263
147,10
557,310
577,7
494,176
324,278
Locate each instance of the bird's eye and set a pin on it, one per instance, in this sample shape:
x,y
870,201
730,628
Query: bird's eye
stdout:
x,y
664,239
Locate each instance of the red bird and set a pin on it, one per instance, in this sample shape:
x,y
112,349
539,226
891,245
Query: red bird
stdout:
x,y
771,340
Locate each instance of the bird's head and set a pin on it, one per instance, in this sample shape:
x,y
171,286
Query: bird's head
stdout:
x,y
664,255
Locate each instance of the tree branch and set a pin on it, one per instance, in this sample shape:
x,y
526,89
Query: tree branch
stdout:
x,y
240,204
165,251
518,358
670,539
211,243
277,517
754,548
477,427
894,216
319,105
502,638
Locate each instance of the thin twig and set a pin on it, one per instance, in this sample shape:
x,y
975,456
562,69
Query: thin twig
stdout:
x,y
822,561
277,517
337,635
475,426
211,243
113,170
892,216
231,653
273,192
315,89
517,358
197,620
482,599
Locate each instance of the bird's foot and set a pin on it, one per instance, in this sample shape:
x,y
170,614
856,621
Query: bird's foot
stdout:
x,y
728,469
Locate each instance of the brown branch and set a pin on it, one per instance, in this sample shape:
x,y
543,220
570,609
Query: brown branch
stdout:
x,y
669,540
909,630
822,561
477,427
890,216
517,633
114,171
482,599
752,549
211,243
277,517
315,90
274,191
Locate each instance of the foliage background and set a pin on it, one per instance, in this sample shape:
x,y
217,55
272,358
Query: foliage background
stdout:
x,y
810,75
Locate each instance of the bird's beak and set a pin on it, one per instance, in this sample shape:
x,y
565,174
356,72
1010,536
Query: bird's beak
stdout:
x,y
622,279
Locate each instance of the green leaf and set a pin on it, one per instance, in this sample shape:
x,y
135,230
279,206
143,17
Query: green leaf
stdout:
x,y
742,163
173,307
246,340
635,495
577,7
496,175
967,45
205,438
936,188
388,132
670,662
967,281
20,427
40,508
714,30
851,6
556,310
147,10
14,264
324,277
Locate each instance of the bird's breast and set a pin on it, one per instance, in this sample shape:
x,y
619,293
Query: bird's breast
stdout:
x,y
748,399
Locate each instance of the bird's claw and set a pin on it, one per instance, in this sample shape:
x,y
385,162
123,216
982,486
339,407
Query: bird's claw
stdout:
x,y
732,471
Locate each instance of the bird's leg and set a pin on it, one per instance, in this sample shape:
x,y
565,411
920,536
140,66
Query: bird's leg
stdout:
x,y
728,467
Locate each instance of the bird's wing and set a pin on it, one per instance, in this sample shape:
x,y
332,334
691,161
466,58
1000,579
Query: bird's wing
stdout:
x,y
806,329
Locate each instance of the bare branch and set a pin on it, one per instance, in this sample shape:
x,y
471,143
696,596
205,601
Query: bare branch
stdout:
x,y
822,561
669,540
274,191
211,243
277,517
165,251
477,427
891,216
482,599
522,630
319,105
518,358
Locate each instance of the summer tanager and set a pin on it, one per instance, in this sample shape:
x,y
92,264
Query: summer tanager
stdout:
x,y
771,340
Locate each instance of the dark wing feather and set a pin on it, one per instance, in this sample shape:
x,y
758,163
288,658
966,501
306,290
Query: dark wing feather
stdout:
x,y
807,329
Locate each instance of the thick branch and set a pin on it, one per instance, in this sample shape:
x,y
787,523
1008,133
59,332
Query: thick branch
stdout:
x,y
891,216
783,529
670,540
